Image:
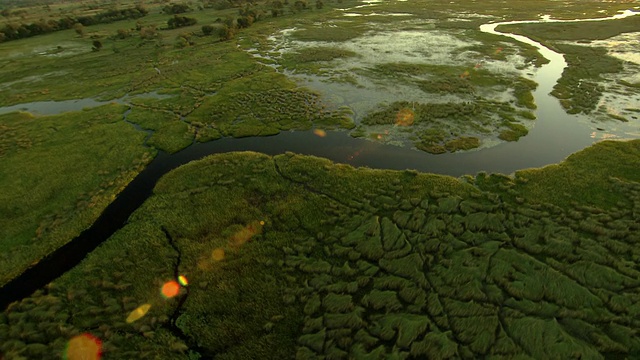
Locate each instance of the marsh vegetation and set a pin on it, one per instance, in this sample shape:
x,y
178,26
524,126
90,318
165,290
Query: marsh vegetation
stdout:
x,y
295,256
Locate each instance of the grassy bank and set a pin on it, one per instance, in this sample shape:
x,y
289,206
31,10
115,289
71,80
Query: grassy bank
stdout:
x,y
58,173
296,256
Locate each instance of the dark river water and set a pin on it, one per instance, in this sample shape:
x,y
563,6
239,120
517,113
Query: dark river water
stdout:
x,y
555,136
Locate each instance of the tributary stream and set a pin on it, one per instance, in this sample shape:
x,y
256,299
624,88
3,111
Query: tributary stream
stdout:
x,y
555,136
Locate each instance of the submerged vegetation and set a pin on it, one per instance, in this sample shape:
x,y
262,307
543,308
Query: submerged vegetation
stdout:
x,y
296,256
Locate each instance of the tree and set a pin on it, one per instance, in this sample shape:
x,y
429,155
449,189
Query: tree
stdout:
x,y
176,9
79,28
184,40
180,21
148,32
97,45
245,21
300,5
123,33
207,29
226,32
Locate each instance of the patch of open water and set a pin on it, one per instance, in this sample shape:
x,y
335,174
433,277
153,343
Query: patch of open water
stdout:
x,y
57,107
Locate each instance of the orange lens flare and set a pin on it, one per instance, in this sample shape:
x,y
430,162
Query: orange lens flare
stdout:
x,y
170,289
83,347
245,234
320,132
405,117
138,313
217,254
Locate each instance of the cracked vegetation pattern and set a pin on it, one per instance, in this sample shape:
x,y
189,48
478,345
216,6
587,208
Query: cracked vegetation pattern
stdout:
x,y
363,264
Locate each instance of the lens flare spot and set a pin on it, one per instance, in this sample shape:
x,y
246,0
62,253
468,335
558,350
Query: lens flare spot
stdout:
x,y
138,313
405,117
183,280
217,254
262,222
464,74
83,347
170,289
246,233
320,132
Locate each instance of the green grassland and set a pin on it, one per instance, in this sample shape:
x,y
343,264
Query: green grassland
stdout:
x,y
583,176
58,173
358,263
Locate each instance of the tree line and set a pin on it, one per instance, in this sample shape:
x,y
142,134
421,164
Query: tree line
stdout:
x,y
14,31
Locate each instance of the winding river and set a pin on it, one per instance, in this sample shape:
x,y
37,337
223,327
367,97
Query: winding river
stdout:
x,y
555,136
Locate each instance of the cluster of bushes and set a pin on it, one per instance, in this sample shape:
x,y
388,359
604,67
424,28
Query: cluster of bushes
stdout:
x,y
178,21
228,28
218,4
176,9
21,31
113,15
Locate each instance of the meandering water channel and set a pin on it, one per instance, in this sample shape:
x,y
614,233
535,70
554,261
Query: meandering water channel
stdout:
x,y
555,136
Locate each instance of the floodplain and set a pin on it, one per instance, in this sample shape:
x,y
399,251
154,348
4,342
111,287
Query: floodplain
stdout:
x,y
244,255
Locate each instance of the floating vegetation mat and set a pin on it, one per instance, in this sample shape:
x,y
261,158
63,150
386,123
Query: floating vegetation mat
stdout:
x,y
243,256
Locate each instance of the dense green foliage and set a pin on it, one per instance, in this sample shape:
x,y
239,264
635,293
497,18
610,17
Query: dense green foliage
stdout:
x,y
58,173
14,31
176,9
178,21
294,256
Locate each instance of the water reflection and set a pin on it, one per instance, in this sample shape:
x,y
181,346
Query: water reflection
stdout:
x,y
58,107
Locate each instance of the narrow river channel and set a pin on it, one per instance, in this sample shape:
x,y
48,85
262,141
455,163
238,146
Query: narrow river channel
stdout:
x,y
555,136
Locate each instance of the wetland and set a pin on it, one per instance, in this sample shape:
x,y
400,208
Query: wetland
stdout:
x,y
299,256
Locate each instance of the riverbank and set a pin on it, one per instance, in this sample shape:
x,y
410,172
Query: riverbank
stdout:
x,y
294,255
58,174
